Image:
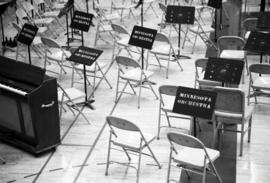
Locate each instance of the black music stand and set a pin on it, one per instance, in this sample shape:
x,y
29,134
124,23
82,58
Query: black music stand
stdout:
x,y
180,15
216,4
263,22
26,37
227,71
81,21
194,102
86,56
142,37
259,42
68,8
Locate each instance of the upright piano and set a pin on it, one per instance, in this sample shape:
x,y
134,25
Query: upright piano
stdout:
x,y
29,117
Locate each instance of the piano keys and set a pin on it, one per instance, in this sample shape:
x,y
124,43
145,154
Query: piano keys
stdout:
x,y
31,97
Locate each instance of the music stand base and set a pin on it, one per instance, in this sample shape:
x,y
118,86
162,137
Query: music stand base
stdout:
x,y
179,56
88,104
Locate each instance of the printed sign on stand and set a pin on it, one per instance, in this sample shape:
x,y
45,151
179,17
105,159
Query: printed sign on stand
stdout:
x,y
142,37
27,34
263,20
258,42
194,102
81,21
215,3
85,55
180,14
224,70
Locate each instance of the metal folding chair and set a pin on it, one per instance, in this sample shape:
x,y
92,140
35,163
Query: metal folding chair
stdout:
x,y
130,72
69,97
129,138
167,95
191,156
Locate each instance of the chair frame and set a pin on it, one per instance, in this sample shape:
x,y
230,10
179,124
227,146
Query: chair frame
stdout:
x,y
160,37
169,90
125,62
115,122
239,116
192,142
70,104
257,69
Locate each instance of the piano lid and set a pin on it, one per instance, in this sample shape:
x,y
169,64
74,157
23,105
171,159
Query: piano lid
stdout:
x,y
20,71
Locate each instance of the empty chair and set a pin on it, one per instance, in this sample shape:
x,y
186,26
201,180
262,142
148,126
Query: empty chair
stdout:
x,y
130,73
129,138
54,53
121,39
167,95
259,83
191,156
231,108
70,97
202,31
123,6
249,24
232,47
200,82
164,50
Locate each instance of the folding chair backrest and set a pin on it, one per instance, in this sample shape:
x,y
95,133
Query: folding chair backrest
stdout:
x,y
162,7
121,124
50,43
119,29
230,42
170,90
260,68
250,24
162,38
201,63
126,61
16,26
230,100
185,140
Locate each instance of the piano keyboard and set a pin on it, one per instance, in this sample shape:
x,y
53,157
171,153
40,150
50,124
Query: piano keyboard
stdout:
x,y
14,90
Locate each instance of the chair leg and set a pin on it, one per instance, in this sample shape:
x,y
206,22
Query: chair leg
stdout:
x,y
159,119
125,151
153,156
249,129
242,139
169,167
108,155
204,171
139,163
215,171
139,97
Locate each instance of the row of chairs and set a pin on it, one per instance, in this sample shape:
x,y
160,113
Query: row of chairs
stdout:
x,y
130,139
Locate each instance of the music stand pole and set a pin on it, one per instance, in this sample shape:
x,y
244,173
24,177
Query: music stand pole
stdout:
x,y
29,55
262,8
215,38
3,34
179,45
220,16
67,31
142,54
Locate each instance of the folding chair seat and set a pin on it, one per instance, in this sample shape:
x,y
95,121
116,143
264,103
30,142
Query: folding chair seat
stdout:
x,y
128,137
54,53
231,108
200,82
190,154
259,82
249,24
167,95
130,72
232,47
70,97
164,50
96,71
